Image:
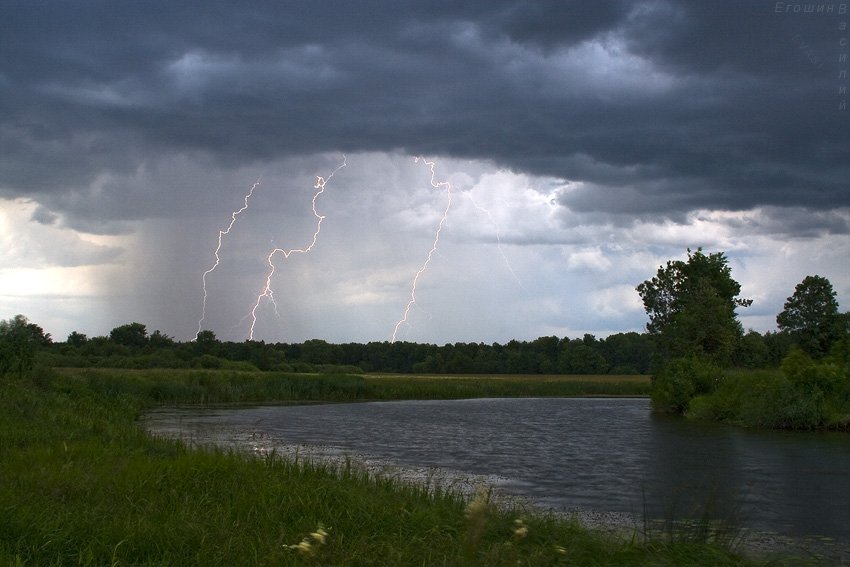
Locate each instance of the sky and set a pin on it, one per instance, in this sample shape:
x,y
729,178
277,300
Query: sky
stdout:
x,y
576,147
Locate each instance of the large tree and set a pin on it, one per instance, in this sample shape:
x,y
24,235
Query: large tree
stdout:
x,y
810,316
130,335
691,306
18,342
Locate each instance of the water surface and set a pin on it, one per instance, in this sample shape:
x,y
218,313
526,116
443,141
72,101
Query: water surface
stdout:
x,y
606,455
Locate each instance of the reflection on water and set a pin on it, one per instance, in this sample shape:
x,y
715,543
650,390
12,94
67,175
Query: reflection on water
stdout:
x,y
594,454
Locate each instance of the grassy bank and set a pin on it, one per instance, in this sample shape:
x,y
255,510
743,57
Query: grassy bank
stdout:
x,y
83,485
454,386
228,386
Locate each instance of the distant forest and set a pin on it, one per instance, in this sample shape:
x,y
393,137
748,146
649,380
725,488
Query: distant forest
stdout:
x,y
795,378
130,346
691,306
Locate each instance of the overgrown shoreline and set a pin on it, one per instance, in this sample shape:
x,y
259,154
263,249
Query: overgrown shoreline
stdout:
x,y
616,525
83,484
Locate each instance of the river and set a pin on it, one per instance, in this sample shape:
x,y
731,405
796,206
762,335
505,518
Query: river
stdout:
x,y
603,455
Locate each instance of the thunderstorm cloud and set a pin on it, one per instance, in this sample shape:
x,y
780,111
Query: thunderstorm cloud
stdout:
x,y
602,138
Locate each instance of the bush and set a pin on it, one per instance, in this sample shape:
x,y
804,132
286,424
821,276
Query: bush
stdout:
x,y
679,380
303,367
207,361
804,395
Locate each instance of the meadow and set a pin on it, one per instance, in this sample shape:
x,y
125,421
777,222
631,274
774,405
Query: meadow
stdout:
x,y
84,485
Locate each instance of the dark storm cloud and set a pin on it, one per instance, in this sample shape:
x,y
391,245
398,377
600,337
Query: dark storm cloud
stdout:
x,y
656,107
43,216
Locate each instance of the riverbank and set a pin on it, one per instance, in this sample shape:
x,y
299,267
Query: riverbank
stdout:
x,y
757,545
84,485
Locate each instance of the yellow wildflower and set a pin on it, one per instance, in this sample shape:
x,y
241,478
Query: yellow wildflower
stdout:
x,y
319,535
521,532
305,547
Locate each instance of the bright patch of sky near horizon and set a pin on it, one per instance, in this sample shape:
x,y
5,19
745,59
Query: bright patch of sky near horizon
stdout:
x,y
512,262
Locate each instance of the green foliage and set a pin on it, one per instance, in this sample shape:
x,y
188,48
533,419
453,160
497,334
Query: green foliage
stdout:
x,y
582,359
691,307
76,339
19,340
810,316
750,398
84,485
752,351
206,342
159,340
222,386
804,394
840,353
778,346
208,361
335,369
445,388
129,347
130,335
679,380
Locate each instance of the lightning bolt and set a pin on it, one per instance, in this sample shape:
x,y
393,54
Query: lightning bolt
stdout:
x,y
436,185
267,292
221,235
498,238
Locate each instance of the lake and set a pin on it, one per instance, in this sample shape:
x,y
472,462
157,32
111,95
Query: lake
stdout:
x,y
603,455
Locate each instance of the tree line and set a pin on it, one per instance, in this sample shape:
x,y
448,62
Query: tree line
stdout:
x,y
130,346
692,305
703,364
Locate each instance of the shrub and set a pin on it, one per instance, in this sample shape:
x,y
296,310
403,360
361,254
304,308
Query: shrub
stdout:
x,y
303,367
679,380
805,394
207,361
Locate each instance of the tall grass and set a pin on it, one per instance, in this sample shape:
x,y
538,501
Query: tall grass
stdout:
x,y
223,386
420,387
83,485
227,386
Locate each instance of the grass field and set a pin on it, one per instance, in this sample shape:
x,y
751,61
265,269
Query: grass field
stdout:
x,y
82,484
453,386
575,378
230,386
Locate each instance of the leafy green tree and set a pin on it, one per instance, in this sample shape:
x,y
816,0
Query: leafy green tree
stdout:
x,y
130,335
18,342
691,306
160,340
629,353
460,362
778,346
752,351
207,342
811,316
76,339
579,357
